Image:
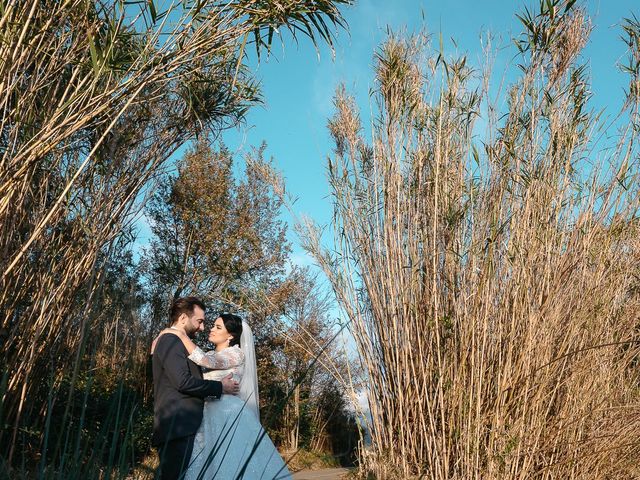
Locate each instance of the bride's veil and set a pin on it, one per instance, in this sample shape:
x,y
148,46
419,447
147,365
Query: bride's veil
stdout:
x,y
249,382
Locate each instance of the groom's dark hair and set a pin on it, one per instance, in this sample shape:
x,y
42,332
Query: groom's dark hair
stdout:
x,y
184,305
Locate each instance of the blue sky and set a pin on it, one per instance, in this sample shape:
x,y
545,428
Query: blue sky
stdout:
x,y
298,84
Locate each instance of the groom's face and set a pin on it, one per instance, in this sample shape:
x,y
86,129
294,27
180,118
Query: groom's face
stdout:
x,y
195,321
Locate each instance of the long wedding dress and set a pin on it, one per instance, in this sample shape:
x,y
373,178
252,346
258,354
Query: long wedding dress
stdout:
x,y
231,443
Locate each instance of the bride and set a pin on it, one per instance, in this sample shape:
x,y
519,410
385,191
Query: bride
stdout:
x,y
231,443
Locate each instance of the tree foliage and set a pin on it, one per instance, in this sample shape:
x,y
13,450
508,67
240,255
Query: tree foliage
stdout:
x,y
213,235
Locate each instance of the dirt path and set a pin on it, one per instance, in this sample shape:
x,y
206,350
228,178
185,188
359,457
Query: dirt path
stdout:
x,y
325,474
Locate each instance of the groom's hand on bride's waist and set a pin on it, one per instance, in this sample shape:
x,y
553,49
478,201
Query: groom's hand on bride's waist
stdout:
x,y
230,386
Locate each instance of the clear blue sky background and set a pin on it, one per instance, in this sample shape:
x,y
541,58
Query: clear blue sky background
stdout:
x,y
298,85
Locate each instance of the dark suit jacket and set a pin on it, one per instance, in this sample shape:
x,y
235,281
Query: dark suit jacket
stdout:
x,y
178,391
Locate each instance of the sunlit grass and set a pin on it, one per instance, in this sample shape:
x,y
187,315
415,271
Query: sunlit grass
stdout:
x,y
491,275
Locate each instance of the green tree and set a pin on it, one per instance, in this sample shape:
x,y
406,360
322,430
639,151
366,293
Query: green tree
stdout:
x,y
213,235
311,372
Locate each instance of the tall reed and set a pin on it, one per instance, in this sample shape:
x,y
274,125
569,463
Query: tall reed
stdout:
x,y
491,279
96,96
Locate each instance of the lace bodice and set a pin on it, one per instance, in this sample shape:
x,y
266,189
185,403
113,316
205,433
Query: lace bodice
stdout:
x,y
220,364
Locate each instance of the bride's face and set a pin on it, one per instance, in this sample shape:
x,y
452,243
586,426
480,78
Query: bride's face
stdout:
x,y
219,333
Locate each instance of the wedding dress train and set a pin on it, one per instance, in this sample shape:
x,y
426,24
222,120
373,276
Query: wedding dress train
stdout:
x,y
231,444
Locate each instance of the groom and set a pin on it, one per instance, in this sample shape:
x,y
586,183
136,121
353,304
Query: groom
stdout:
x,y
179,390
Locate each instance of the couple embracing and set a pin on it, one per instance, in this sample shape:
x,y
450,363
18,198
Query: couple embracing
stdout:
x,y
207,425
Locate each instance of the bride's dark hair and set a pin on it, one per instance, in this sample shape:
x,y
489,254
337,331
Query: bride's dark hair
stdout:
x,y
233,324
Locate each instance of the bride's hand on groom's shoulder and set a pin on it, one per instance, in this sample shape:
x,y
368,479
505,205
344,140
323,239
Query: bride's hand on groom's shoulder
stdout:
x,y
230,386
173,331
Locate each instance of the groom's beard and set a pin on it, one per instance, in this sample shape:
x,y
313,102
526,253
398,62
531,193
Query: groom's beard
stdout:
x,y
191,332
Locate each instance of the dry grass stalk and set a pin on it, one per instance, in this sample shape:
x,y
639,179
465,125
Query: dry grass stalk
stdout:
x,y
493,296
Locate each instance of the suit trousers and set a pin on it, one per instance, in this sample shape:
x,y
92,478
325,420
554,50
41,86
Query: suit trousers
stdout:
x,y
174,458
